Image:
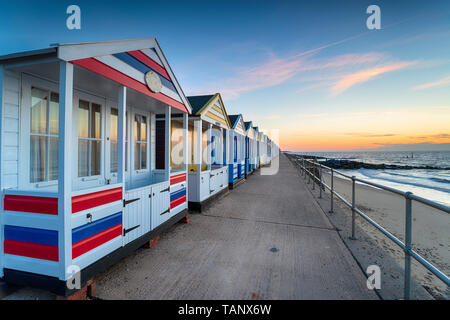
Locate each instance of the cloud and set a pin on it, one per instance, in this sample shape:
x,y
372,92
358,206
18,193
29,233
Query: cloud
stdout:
x,y
363,76
370,135
313,115
439,83
424,146
443,136
277,70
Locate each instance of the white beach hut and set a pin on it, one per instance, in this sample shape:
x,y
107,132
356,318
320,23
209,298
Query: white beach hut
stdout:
x,y
87,172
236,162
208,131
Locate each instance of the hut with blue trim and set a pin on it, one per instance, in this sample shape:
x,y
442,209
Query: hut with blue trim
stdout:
x,y
93,158
208,131
236,162
250,148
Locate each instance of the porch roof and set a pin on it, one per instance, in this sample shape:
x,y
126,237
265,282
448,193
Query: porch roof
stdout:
x,y
126,62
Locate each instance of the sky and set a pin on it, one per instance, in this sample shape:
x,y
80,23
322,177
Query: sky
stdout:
x,y
309,73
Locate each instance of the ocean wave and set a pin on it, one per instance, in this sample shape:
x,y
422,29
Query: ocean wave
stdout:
x,y
383,176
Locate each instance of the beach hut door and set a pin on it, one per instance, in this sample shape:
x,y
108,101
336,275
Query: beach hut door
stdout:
x,y
136,217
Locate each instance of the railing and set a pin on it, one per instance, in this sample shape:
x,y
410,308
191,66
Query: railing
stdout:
x,y
313,170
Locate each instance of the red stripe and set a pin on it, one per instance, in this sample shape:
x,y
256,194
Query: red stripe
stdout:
x,y
145,59
95,199
96,240
110,73
31,250
178,178
177,202
31,204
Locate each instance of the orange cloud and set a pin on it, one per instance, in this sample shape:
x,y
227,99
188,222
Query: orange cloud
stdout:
x,y
365,75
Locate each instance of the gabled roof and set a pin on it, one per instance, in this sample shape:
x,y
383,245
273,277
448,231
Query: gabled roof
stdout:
x,y
234,119
199,102
248,125
211,109
237,123
123,61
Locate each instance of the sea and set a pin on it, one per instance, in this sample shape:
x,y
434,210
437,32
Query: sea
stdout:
x,y
433,184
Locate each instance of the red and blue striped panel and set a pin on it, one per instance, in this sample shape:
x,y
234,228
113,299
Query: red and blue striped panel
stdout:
x,y
177,178
33,204
91,235
95,199
177,198
129,69
31,242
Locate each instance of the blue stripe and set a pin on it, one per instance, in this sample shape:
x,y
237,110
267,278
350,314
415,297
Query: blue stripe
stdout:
x,y
177,194
40,236
135,63
88,230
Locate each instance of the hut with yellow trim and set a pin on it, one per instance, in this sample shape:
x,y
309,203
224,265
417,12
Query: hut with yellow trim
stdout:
x,y
207,154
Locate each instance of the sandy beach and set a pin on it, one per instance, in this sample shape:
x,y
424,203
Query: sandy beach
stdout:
x,y
430,228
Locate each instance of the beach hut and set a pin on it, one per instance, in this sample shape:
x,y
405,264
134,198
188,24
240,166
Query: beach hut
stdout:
x,y
262,149
236,159
257,148
93,161
208,132
250,149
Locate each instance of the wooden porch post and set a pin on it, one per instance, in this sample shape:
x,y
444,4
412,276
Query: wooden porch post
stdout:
x,y
185,142
65,154
198,154
167,142
1,173
225,148
221,146
231,148
209,146
122,107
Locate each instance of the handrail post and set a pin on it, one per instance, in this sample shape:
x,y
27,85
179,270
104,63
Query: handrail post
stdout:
x,y
303,167
314,175
309,173
353,209
332,191
320,177
408,233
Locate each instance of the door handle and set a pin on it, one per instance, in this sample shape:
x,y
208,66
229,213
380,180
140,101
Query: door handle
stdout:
x,y
165,190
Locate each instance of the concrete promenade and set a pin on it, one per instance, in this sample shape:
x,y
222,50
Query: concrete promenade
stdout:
x,y
266,239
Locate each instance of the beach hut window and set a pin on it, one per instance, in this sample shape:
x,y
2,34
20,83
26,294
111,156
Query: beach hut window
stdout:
x,y
176,143
44,135
113,139
114,127
191,147
235,148
89,139
140,144
204,149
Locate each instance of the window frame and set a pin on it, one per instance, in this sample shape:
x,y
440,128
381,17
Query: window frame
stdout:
x,y
80,183
24,155
134,176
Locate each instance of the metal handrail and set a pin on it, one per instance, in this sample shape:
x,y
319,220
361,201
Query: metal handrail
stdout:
x,y
308,167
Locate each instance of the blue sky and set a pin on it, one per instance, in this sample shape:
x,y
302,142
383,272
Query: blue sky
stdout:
x,y
308,68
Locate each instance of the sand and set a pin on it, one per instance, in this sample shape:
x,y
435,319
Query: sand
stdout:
x,y
430,228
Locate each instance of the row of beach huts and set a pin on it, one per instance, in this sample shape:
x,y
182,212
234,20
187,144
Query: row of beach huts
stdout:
x,y
101,151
